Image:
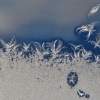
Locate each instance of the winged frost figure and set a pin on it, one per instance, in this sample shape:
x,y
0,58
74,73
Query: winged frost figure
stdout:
x,y
68,58
10,46
96,43
89,28
10,49
76,52
97,59
56,48
86,55
75,47
25,50
26,47
94,10
41,51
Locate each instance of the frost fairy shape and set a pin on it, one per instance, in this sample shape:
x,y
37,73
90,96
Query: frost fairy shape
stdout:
x,y
56,48
96,43
26,47
25,50
87,55
10,48
76,49
94,10
79,53
97,59
89,29
41,50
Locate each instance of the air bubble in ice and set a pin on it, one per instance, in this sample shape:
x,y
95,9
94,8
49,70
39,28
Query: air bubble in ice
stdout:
x,y
72,79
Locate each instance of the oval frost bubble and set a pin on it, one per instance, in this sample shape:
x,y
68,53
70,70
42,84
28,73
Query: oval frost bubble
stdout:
x,y
72,79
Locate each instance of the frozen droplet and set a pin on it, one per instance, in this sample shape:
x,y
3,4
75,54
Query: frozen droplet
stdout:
x,y
72,79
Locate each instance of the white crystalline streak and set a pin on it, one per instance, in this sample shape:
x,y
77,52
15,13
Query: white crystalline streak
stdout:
x,y
89,28
94,10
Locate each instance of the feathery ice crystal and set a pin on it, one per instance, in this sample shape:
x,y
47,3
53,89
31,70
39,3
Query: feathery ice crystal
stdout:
x,y
89,29
51,52
55,51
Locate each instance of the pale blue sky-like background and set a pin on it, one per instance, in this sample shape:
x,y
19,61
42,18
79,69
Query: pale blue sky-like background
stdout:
x,y
43,19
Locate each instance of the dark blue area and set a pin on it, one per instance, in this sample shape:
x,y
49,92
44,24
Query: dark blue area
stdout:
x,y
42,31
52,32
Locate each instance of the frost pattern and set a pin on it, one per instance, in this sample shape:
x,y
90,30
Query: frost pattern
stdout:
x,y
57,51
54,52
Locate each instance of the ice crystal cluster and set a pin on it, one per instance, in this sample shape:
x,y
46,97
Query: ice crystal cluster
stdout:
x,y
57,51
49,53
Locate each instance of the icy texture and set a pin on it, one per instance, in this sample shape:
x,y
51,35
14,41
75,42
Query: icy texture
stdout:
x,y
57,51
49,52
